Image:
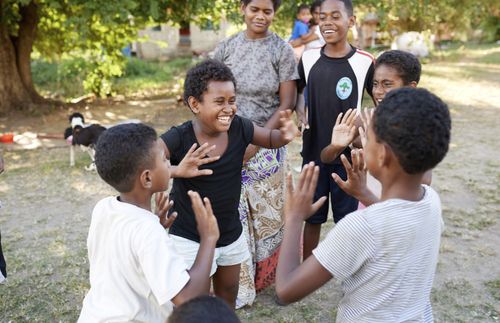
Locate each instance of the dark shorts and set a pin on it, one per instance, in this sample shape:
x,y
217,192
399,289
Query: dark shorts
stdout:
x,y
342,203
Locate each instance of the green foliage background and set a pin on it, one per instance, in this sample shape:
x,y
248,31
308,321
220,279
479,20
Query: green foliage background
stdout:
x,y
91,33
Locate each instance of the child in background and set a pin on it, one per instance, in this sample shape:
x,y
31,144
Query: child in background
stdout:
x,y
135,271
336,76
385,255
206,309
209,92
300,31
313,39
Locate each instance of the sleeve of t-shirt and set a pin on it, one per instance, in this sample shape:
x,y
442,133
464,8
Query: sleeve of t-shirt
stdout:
x,y
172,139
302,29
248,129
369,79
287,68
347,247
219,52
164,269
301,81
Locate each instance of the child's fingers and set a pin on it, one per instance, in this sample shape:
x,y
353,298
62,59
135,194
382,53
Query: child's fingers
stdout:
x,y
339,117
313,182
192,149
204,150
318,204
205,172
196,203
170,220
208,206
340,182
352,117
208,160
289,184
361,156
347,165
355,161
303,176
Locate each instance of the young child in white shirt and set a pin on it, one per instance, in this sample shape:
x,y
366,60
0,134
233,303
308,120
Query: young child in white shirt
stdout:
x,y
135,272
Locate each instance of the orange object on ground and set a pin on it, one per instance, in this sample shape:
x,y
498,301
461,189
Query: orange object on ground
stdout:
x,y
7,138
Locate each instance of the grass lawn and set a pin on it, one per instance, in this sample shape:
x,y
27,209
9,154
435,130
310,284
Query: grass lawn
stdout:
x,y
47,204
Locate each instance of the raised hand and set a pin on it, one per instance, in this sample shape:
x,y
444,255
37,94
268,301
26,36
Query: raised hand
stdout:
x,y
288,128
355,185
195,157
163,205
299,201
344,130
206,223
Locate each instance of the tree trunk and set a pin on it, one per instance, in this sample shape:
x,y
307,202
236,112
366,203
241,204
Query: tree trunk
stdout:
x,y
23,45
16,85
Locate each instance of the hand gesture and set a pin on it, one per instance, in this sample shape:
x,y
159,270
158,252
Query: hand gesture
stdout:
x,y
355,185
299,201
366,118
344,130
288,128
195,157
206,223
163,205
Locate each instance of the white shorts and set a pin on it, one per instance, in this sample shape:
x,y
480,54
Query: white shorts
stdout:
x,y
233,254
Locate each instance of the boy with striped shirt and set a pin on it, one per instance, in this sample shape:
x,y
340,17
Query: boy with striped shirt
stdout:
x,y
385,255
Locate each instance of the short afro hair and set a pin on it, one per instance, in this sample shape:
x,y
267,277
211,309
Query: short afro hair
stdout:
x,y
122,152
416,124
406,64
303,7
276,3
348,6
204,308
199,76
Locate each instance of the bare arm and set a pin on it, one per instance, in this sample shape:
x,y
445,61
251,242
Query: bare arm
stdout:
x,y
274,138
199,274
288,95
294,280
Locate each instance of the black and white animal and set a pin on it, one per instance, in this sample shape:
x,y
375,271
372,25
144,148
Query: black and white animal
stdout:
x,y
85,136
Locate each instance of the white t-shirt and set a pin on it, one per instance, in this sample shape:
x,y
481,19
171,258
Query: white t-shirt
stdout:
x,y
317,43
134,268
385,256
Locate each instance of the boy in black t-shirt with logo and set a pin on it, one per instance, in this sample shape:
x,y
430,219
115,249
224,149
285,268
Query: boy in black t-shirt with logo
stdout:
x,y
336,76
209,91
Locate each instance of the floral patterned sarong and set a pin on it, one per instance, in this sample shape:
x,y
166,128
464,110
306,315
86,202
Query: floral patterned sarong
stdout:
x,y
261,213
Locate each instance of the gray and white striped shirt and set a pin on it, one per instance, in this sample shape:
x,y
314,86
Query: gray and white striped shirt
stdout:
x,y
386,256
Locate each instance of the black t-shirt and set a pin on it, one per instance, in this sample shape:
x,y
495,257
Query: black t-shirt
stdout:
x,y
334,85
223,187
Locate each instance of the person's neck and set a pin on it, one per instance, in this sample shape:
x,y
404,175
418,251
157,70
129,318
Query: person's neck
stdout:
x,y
202,132
337,50
140,199
402,186
253,36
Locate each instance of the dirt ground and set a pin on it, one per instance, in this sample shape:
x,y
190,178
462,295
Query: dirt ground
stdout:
x,y
47,204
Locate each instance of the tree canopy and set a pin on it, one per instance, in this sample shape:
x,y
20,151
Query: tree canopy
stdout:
x,y
98,31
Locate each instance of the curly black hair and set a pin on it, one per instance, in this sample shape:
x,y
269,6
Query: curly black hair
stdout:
x,y
303,6
122,152
199,76
276,3
204,309
406,64
416,125
348,6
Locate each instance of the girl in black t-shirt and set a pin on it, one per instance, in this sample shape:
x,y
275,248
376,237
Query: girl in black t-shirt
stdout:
x,y
214,169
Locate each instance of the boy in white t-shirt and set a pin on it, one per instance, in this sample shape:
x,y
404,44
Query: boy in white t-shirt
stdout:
x,y
385,256
135,272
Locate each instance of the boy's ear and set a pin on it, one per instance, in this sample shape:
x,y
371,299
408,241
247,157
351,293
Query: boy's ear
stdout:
x,y
413,84
242,8
352,21
193,104
146,180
